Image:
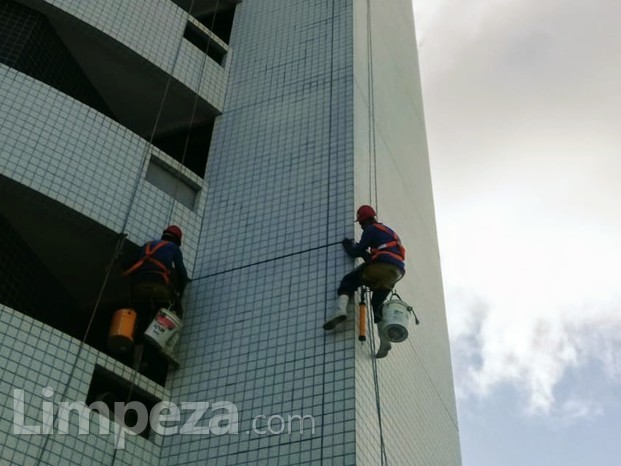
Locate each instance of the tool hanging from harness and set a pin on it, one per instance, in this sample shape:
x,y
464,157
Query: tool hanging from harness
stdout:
x,y
362,322
397,250
148,257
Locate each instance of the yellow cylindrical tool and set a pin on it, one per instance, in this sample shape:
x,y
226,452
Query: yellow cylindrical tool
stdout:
x,y
362,336
121,334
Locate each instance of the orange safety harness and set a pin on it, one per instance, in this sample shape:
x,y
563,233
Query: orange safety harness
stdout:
x,y
148,257
396,242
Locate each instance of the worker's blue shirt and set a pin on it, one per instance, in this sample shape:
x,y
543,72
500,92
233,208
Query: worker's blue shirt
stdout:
x,y
372,238
169,255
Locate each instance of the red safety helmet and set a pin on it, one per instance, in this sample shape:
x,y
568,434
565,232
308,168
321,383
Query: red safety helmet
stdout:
x,y
365,212
174,231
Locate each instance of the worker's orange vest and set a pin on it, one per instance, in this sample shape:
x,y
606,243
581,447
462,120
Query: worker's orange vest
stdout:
x,y
396,242
148,257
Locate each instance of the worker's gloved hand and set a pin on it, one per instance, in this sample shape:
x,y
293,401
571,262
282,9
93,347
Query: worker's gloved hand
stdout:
x,y
347,243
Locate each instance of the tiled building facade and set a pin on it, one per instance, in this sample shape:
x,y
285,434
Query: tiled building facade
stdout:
x,y
257,126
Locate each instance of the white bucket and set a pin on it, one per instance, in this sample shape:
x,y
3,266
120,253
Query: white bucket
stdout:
x,y
395,316
163,328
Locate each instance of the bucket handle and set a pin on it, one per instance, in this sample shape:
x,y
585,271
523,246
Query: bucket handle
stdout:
x,y
409,308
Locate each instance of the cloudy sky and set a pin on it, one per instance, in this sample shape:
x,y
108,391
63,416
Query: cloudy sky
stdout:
x,y
523,109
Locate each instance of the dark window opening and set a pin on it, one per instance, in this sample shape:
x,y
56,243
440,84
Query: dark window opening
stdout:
x,y
204,43
53,266
29,43
28,285
116,394
219,21
197,139
79,61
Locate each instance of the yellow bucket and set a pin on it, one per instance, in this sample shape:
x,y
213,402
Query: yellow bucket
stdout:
x,y
121,334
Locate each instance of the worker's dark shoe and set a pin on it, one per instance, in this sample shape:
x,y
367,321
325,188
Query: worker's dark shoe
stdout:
x,y
335,320
384,348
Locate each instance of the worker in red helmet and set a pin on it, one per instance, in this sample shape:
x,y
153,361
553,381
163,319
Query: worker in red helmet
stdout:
x,y
384,265
158,280
160,262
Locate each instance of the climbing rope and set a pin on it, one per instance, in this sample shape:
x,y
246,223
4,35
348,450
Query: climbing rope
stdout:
x,y
173,202
194,107
113,259
376,387
160,111
373,197
119,244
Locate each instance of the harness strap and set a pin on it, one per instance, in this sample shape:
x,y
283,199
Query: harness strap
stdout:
x,y
388,253
148,257
388,245
391,244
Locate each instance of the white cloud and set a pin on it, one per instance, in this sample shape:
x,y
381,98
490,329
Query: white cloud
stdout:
x,y
542,292
575,409
533,353
522,106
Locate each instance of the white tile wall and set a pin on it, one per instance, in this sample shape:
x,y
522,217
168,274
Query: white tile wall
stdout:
x,y
34,356
288,166
419,416
154,30
75,155
279,202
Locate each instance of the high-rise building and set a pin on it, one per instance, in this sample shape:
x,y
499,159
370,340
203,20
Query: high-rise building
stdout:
x,y
258,127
